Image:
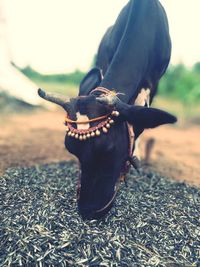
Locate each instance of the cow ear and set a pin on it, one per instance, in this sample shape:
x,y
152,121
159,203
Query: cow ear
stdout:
x,y
144,118
90,81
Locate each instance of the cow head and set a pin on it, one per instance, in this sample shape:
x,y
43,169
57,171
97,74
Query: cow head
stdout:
x,y
102,155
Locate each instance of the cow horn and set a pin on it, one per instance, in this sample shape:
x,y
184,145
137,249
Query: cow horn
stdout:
x,y
54,98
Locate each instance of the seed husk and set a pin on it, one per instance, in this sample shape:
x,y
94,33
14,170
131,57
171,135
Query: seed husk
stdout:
x,y
154,222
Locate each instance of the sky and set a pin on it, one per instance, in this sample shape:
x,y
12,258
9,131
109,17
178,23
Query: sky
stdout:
x,y
58,36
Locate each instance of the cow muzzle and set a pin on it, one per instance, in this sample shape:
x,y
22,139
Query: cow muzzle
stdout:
x,y
91,212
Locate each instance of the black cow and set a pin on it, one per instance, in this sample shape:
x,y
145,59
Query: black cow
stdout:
x,y
132,57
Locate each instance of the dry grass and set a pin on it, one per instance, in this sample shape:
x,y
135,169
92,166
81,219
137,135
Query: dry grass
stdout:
x,y
184,112
155,221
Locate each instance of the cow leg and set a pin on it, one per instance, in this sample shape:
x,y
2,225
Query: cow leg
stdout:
x,y
148,149
136,152
143,99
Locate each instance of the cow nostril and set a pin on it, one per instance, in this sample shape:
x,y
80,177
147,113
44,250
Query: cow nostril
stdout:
x,y
90,214
86,214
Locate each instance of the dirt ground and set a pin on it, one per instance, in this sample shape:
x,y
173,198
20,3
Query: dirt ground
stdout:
x,y
38,138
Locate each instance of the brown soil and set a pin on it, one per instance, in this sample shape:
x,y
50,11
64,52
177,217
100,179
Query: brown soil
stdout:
x,y
176,153
38,138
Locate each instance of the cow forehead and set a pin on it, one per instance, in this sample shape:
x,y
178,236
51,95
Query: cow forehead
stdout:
x,y
88,105
84,108
81,104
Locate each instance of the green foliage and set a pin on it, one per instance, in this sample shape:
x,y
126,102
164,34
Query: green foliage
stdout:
x,y
66,84
196,67
181,83
94,61
72,78
68,89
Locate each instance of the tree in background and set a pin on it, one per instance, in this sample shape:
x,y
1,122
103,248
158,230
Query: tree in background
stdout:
x,y
181,83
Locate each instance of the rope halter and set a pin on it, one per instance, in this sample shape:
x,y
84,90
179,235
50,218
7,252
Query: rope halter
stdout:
x,y
104,125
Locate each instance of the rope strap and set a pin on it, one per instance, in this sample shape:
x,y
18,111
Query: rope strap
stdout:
x,y
87,121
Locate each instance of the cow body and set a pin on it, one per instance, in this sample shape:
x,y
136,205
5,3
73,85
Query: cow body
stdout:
x,y
135,52
132,57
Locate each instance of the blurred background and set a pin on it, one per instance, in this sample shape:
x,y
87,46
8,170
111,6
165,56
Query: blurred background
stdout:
x,y
52,44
